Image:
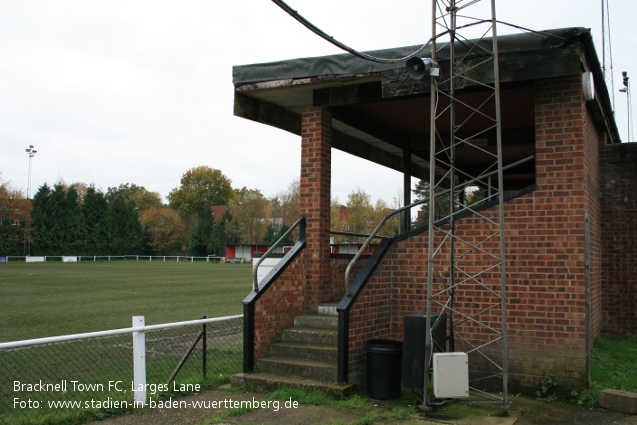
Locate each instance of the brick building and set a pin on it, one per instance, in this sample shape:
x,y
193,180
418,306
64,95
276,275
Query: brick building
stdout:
x,y
570,214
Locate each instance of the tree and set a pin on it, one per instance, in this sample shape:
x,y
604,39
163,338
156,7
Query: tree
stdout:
x,y
286,205
225,231
11,235
138,195
200,188
97,218
200,240
42,220
391,226
72,226
443,203
163,230
338,220
126,235
360,212
251,210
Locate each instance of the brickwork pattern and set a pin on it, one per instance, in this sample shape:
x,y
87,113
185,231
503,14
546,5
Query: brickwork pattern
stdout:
x,y
276,308
618,176
316,144
546,273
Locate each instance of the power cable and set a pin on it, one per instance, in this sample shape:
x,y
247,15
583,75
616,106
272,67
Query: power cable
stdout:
x,y
316,30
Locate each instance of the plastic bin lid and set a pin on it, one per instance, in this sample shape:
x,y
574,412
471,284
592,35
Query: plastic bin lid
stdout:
x,y
384,346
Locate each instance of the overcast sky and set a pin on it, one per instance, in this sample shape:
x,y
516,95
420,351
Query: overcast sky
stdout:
x,y
140,91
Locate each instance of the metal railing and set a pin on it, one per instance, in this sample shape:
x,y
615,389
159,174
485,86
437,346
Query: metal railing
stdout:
x,y
471,182
255,279
63,378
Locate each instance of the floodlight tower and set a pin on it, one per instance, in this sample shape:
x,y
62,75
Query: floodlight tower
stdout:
x,y
27,237
456,266
629,104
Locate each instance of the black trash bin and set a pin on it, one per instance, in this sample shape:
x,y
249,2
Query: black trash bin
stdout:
x,y
384,368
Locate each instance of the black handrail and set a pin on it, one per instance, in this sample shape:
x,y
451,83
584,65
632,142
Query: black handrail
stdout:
x,y
414,204
255,280
250,301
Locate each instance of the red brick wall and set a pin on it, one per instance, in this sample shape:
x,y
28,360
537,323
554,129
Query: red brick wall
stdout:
x,y
316,144
370,316
618,176
338,265
276,308
546,275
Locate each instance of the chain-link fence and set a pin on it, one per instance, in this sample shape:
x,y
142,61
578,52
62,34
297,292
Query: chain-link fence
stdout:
x,y
85,379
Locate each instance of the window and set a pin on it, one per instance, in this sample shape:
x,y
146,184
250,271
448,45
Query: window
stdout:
x,y
16,222
17,207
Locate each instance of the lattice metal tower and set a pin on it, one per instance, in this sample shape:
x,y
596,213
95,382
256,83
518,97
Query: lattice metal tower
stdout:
x,y
467,280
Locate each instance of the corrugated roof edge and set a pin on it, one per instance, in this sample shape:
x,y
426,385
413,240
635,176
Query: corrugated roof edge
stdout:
x,y
345,64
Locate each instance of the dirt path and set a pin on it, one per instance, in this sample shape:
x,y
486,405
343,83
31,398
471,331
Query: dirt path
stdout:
x,y
201,408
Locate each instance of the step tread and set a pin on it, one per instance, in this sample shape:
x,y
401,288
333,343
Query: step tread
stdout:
x,y
306,346
312,330
298,362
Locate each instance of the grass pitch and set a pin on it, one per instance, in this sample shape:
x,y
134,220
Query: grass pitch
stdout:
x,y
48,299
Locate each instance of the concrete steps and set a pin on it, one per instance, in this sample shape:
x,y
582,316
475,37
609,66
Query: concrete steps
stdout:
x,y
307,350
306,355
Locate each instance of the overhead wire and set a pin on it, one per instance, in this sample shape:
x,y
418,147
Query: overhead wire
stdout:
x,y
316,30
366,56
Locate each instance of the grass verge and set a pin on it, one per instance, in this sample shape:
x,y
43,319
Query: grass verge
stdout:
x,y
612,367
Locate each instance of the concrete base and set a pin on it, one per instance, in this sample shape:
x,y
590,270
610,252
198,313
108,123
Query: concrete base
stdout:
x,y
619,401
269,382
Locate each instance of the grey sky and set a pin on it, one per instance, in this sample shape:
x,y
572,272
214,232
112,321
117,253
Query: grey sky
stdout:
x,y
140,91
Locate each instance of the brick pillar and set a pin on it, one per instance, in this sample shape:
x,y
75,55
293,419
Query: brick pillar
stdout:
x,y
316,169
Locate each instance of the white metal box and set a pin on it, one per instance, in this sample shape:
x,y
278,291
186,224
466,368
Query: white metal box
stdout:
x,y
451,375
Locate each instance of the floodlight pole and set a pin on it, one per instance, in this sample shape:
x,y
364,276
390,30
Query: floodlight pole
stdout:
x,y
27,229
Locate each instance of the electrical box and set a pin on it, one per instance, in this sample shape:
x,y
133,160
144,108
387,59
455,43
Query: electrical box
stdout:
x,y
451,375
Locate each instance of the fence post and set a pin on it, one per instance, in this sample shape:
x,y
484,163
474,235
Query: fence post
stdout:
x,y
139,361
205,367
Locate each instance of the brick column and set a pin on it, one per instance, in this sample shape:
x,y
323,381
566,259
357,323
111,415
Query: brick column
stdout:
x,y
316,169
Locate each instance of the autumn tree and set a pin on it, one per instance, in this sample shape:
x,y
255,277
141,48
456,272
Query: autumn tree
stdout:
x,y
251,210
338,220
360,212
11,235
360,216
200,188
391,226
286,205
163,230
285,211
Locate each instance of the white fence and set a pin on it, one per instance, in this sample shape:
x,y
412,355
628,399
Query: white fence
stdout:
x,y
96,366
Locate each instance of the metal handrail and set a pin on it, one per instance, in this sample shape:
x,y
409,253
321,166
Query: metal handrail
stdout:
x,y
399,210
255,280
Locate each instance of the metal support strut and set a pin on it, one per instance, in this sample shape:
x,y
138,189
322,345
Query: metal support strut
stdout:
x,y
457,264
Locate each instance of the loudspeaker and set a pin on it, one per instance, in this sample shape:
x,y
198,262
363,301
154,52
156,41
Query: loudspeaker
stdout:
x,y
419,68
414,346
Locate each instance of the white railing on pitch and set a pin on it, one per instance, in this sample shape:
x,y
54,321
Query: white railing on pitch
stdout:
x,y
138,330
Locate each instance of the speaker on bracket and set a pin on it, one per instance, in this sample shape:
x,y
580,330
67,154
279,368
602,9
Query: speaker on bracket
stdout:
x,y
419,68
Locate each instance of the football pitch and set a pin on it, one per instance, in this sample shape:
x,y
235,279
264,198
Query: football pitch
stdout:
x,y
53,298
